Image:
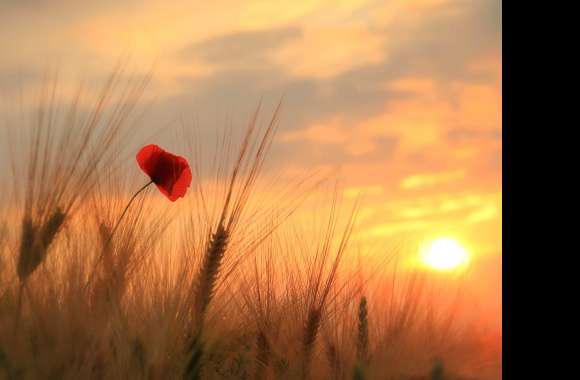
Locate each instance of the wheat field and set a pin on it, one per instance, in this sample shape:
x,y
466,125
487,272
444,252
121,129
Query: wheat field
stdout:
x,y
230,282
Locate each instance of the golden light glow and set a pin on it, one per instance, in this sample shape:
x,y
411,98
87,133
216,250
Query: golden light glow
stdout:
x,y
444,254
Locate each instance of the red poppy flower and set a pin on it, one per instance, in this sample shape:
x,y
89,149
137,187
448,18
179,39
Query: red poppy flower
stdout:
x,y
170,173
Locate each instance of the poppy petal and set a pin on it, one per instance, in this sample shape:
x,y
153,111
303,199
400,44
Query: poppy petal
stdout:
x,y
147,158
180,186
170,173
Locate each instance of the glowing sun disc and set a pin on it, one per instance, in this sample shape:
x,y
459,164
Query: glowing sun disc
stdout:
x,y
444,254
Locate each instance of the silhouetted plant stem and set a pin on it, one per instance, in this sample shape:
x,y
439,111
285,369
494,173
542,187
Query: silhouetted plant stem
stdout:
x,y
309,339
363,332
125,211
262,355
362,341
206,282
108,241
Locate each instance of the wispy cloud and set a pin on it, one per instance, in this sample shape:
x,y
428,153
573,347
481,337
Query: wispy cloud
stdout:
x,y
430,179
241,49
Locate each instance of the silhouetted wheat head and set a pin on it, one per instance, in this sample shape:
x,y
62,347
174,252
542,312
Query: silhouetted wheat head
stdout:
x,y
35,240
238,192
263,352
362,343
64,150
362,347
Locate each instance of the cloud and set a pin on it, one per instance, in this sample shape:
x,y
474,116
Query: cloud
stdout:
x,y
467,134
484,213
356,191
442,45
446,40
439,47
430,179
243,68
13,79
241,48
312,154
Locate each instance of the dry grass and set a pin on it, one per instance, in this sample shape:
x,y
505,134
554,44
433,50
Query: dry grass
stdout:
x,y
226,284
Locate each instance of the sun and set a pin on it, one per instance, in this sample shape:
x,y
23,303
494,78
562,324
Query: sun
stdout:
x,y
444,254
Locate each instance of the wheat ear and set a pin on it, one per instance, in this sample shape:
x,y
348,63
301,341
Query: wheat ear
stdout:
x,y
209,271
206,282
333,360
35,241
262,355
437,372
362,343
309,339
362,347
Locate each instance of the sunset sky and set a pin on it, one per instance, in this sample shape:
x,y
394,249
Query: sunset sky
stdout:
x,y
401,99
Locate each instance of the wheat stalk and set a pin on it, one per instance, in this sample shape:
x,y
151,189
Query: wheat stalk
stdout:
x,y
60,169
35,242
232,210
309,339
333,358
263,351
362,343
209,270
362,347
207,278
437,371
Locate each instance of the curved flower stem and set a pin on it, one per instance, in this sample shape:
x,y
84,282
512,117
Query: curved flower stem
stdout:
x,y
125,211
106,244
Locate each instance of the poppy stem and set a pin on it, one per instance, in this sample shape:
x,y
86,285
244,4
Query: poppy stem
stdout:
x,y
125,211
106,244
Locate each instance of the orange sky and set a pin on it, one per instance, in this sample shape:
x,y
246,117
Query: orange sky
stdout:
x,y
401,99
